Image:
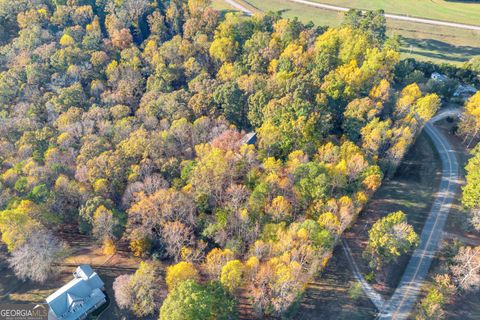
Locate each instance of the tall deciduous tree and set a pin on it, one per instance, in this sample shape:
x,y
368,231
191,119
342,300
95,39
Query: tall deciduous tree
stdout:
x,y
35,259
470,124
180,272
139,292
466,268
192,301
231,276
471,191
389,238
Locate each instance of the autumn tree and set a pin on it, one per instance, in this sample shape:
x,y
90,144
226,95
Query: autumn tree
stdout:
x,y
122,291
176,236
193,301
371,22
157,217
438,293
212,174
471,191
357,113
104,224
179,272
216,259
232,275
466,268
18,224
139,292
390,237
431,305
37,257
470,124
376,136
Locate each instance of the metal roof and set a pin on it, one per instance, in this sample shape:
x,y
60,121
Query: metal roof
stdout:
x,y
79,296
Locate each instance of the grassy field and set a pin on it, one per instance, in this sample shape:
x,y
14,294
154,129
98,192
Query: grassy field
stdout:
x,y
438,44
424,42
467,12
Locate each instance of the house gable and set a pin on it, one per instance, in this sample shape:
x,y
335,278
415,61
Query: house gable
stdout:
x,y
78,297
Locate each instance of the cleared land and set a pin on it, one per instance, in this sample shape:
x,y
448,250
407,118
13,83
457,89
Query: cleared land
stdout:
x,y
467,12
388,15
424,42
330,297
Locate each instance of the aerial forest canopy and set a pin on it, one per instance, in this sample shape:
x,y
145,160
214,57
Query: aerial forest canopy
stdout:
x,y
126,119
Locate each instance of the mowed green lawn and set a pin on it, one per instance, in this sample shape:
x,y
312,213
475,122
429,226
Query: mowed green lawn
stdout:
x,y
421,41
462,11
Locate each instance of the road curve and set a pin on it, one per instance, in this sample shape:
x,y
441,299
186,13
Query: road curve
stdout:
x,y
404,297
392,16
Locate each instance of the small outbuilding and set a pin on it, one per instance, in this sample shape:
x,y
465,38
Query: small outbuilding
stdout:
x,y
78,298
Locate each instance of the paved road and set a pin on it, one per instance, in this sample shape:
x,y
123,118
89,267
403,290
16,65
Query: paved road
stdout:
x,y
393,16
404,297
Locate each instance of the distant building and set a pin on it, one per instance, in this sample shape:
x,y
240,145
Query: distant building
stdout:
x,y
79,297
464,91
249,138
439,77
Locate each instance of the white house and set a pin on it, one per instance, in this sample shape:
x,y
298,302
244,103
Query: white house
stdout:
x,y
79,297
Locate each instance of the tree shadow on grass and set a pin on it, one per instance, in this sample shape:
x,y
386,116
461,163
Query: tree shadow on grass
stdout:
x,y
439,49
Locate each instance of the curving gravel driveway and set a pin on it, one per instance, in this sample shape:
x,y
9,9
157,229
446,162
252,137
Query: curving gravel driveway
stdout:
x,y
404,297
